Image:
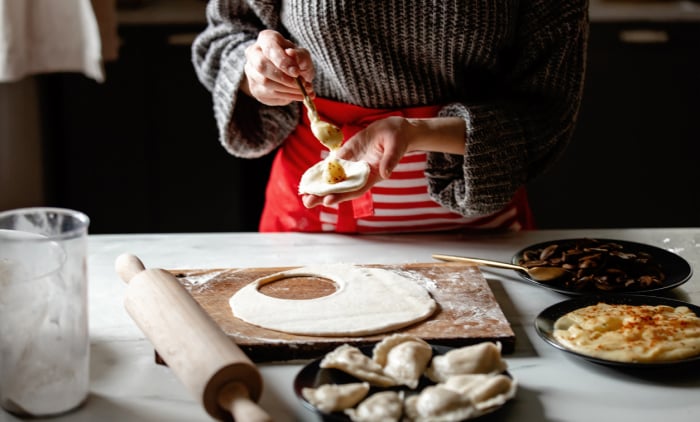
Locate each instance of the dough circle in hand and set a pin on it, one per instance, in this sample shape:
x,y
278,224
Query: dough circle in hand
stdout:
x,y
367,301
314,182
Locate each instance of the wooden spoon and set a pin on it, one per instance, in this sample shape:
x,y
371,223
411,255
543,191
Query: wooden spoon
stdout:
x,y
543,274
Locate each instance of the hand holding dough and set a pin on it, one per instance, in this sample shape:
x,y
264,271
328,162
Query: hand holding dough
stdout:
x,y
314,180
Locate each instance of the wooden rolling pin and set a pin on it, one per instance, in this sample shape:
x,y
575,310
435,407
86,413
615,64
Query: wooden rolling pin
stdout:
x,y
205,360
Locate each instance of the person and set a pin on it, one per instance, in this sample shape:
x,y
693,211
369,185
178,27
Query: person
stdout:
x,y
454,105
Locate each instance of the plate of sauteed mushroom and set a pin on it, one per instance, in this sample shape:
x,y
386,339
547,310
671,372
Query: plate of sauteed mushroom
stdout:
x,y
605,266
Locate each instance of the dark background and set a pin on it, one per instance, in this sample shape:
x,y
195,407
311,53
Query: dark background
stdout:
x,y
139,153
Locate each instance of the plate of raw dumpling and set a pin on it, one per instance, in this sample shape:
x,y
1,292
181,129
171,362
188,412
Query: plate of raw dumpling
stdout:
x,y
403,378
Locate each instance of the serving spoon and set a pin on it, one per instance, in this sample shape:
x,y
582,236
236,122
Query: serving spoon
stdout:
x,y
329,135
543,274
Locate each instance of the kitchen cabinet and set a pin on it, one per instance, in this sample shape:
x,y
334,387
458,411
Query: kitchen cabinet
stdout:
x,y
140,153
633,161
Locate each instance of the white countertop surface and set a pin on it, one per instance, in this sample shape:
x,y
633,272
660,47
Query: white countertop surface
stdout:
x,y
126,384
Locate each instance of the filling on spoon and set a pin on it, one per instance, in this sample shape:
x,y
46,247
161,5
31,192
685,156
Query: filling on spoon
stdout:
x,y
332,175
329,135
332,137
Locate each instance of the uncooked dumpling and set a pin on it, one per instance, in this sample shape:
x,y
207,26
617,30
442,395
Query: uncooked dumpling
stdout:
x,y
482,358
351,360
465,383
461,397
314,182
403,357
493,393
385,406
485,391
439,403
335,397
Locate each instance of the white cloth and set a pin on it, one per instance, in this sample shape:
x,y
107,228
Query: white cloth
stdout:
x,y
41,36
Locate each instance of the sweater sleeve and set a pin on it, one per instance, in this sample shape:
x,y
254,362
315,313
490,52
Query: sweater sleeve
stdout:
x,y
247,128
515,136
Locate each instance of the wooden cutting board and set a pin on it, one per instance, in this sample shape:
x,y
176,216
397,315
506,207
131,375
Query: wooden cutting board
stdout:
x,y
468,312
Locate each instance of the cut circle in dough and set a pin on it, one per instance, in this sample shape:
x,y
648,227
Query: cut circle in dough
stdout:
x,y
314,182
367,301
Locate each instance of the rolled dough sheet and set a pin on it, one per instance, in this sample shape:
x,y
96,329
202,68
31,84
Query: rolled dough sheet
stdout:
x,y
367,301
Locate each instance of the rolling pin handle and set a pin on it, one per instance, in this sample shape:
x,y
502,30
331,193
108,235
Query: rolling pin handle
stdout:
x,y
234,398
128,266
185,334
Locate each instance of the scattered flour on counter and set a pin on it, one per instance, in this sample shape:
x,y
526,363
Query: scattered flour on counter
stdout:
x,y
199,282
419,278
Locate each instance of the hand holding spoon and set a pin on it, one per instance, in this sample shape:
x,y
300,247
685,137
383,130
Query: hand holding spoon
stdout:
x,y
329,135
542,274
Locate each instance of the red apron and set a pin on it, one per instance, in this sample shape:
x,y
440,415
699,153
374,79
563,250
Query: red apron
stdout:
x,y
399,204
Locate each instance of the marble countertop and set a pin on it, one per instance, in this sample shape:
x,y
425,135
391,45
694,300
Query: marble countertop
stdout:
x,y
126,384
168,12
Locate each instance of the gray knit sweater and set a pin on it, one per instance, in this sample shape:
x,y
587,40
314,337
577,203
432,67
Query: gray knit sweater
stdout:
x,y
512,69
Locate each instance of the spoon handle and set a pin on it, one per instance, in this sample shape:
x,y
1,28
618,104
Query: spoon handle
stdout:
x,y
308,102
477,261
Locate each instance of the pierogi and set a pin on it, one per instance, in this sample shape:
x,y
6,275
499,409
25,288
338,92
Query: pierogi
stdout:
x,y
383,406
482,358
403,358
631,333
333,397
469,381
351,360
460,397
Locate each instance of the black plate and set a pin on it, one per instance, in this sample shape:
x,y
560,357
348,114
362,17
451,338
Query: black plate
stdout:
x,y
313,376
676,269
544,324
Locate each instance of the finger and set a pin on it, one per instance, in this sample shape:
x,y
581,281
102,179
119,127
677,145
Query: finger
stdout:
x,y
273,98
274,46
306,67
331,199
268,90
335,198
266,86
311,201
392,150
259,68
352,148
388,163
308,87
